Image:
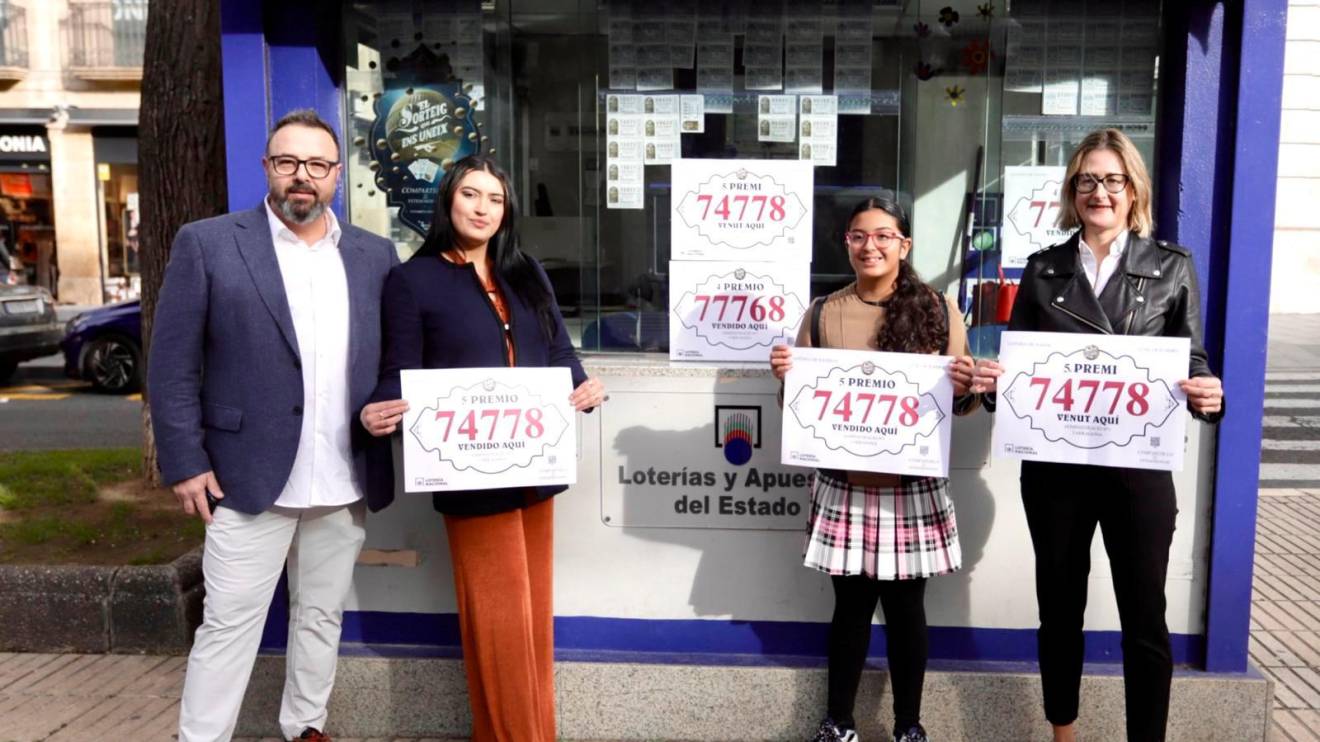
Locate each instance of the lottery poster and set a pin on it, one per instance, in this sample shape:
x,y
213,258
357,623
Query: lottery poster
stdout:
x,y
488,428
868,411
734,311
1109,400
742,210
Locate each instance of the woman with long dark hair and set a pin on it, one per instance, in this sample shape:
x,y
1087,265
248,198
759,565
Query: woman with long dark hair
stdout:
x,y
1111,277
879,536
470,298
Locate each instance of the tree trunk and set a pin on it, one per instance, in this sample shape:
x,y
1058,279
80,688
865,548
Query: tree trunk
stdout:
x,y
181,148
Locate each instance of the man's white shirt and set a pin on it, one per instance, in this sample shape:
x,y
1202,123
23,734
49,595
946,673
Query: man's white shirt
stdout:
x,y
1100,274
316,286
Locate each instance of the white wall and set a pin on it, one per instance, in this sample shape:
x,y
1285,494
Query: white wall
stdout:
x,y
611,561
1296,264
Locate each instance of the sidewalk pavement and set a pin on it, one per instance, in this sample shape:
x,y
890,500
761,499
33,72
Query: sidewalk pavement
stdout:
x,y
1285,615
1285,610
1294,342
59,697
125,697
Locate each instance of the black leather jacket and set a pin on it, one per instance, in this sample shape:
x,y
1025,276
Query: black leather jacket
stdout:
x,y
1152,293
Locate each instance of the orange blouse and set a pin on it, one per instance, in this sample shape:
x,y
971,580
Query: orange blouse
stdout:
x,y
493,293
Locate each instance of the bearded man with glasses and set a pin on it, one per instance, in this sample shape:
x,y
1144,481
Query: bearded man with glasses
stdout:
x,y
264,351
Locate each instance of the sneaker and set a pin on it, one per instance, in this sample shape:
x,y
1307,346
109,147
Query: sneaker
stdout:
x,y
914,734
830,732
312,735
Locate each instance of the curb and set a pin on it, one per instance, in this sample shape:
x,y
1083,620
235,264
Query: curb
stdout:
x,y
101,609
378,697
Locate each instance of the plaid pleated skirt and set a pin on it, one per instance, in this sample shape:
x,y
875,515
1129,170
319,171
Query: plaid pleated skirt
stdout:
x,y
885,533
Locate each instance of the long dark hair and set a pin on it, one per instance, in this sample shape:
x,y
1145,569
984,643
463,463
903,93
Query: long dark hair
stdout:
x,y
509,262
916,320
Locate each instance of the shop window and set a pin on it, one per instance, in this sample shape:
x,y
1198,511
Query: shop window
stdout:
x,y
119,198
950,105
27,223
426,84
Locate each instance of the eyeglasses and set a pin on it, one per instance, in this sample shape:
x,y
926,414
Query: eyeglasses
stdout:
x,y
857,239
1087,183
288,165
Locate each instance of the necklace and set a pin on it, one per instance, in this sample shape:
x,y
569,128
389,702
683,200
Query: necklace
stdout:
x,y
873,302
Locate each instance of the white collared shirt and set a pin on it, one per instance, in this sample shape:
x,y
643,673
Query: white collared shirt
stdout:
x,y
316,286
1099,275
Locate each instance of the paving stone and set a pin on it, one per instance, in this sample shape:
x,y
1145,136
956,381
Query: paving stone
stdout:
x,y
1290,726
1285,622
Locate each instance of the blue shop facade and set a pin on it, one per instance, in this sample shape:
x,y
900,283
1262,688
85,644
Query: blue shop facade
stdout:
x,y
945,106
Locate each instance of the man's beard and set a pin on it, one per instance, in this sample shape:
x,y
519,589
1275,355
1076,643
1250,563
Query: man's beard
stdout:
x,y
299,213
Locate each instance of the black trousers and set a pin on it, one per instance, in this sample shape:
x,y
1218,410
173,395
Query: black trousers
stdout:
x,y
904,605
1135,510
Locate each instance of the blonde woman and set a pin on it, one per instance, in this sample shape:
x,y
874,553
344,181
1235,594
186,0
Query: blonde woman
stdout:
x,y
1111,277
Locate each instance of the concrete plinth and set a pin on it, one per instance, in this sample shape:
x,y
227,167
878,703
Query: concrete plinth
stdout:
x,y
93,609
632,701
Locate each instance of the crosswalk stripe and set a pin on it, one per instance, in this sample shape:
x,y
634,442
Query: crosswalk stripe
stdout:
x,y
1290,434
1290,471
1293,421
1292,376
1295,413
1306,421
1278,445
1289,484
1277,456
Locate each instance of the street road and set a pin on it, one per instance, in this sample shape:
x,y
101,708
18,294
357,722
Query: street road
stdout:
x,y
1290,434
41,409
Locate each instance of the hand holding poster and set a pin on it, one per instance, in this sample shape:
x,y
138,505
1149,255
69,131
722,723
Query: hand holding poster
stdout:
x,y
868,411
734,311
1109,400
486,428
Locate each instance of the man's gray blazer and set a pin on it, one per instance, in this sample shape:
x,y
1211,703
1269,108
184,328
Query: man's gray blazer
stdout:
x,y
224,378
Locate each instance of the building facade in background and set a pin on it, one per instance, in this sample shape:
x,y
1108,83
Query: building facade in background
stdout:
x,y
70,83
968,112
1296,265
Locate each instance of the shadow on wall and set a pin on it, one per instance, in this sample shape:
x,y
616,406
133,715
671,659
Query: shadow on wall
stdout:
x,y
736,566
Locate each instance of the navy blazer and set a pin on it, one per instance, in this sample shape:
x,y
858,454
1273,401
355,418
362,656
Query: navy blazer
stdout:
x,y
436,315
224,378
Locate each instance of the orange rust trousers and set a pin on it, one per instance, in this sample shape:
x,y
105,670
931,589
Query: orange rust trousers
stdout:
x,y
503,578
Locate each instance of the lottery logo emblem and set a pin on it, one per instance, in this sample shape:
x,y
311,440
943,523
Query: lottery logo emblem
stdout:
x,y
737,432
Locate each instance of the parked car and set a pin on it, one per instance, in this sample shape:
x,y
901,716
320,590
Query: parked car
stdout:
x,y
104,346
28,327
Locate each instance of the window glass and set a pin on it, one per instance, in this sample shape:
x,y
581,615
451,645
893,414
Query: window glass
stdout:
x,y
962,104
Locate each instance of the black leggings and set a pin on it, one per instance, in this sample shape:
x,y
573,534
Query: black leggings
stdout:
x,y
904,605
